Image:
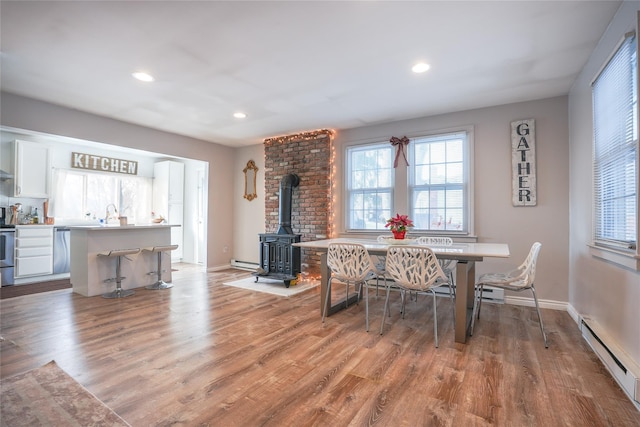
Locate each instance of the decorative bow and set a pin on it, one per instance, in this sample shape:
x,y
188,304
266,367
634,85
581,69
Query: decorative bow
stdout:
x,y
400,143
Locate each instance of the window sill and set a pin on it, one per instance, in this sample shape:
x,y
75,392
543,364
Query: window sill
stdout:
x,y
367,234
624,259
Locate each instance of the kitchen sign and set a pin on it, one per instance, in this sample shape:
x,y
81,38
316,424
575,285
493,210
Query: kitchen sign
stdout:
x,y
523,163
103,164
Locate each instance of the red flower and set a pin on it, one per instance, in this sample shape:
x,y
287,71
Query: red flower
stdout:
x,y
399,223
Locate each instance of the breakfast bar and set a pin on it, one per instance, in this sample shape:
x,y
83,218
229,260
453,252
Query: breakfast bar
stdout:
x,y
89,272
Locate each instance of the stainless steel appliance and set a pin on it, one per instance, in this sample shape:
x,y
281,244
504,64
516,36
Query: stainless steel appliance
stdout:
x,y
61,250
3,216
7,243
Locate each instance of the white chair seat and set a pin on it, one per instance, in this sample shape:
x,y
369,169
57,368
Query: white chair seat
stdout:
x,y
520,279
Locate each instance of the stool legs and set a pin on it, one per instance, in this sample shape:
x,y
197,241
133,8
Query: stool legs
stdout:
x,y
119,292
160,284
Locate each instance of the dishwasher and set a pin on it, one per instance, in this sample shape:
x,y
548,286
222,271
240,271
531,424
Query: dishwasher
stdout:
x,y
61,250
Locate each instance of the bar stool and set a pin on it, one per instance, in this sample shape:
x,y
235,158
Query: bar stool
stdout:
x,y
160,284
118,254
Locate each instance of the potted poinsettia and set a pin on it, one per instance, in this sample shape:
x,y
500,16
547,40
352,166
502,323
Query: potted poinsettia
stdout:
x,y
399,225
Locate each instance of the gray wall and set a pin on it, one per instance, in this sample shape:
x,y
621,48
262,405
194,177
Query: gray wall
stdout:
x,y
604,291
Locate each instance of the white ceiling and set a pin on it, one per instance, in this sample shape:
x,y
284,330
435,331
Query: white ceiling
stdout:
x,y
292,66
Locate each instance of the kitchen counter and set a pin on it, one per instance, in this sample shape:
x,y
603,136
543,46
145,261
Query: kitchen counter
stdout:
x,y
111,227
88,272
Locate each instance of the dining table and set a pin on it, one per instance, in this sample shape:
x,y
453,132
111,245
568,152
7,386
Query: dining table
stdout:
x,y
465,254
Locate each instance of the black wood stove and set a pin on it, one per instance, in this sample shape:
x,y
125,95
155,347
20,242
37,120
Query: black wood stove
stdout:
x,y
279,259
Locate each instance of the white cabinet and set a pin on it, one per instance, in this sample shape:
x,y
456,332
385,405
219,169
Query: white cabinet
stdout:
x,y
168,199
32,166
168,184
34,251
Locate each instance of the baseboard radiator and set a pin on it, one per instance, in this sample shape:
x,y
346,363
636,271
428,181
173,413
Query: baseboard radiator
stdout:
x,y
622,367
244,265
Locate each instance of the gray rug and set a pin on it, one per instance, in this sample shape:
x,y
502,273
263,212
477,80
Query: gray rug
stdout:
x,y
48,396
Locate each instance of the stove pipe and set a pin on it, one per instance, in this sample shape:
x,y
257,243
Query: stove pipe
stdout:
x,y
287,184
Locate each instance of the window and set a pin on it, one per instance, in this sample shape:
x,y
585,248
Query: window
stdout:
x,y
369,186
132,195
615,150
438,182
435,193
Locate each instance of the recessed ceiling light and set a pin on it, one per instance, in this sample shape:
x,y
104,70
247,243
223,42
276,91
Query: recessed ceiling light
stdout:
x,y
143,77
420,67
239,115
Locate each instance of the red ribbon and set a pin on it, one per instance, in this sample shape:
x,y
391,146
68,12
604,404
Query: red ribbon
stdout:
x,y
400,143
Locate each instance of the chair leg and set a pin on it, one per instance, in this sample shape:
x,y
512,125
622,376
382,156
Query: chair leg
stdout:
x,y
119,292
386,305
452,286
544,335
326,303
435,318
346,301
366,305
477,299
159,284
403,296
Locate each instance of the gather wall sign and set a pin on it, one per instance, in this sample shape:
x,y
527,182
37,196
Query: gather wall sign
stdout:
x,y
523,163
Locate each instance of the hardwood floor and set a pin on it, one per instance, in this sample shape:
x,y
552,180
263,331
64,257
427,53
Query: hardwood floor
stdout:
x,y
33,288
203,353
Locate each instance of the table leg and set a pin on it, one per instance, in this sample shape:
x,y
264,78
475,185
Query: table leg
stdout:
x,y
465,277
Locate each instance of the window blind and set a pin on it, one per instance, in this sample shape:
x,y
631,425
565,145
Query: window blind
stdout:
x,y
615,149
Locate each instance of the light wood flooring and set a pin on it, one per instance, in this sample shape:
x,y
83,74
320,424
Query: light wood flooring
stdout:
x,y
205,354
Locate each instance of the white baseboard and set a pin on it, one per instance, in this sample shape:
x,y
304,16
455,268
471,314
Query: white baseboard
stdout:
x,y
529,302
219,267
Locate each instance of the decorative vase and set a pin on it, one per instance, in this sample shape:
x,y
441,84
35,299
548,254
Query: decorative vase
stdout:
x,y
398,235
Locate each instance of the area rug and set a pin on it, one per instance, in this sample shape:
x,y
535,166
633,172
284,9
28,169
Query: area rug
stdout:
x,y
48,396
272,286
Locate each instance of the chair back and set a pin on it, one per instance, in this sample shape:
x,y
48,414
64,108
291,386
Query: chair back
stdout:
x,y
529,264
413,267
349,261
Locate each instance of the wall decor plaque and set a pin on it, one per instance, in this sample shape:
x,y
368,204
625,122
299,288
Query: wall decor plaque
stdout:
x,y
103,164
523,163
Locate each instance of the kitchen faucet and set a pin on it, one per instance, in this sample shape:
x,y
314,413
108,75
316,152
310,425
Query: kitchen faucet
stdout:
x,y
107,215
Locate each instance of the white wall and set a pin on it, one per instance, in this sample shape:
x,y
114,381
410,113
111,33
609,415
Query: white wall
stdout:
x,y
607,292
249,220
24,113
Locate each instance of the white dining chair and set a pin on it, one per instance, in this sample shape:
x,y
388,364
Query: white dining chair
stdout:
x,y
520,279
448,265
414,269
350,263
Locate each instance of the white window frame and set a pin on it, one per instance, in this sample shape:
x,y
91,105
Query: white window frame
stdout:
x,y
350,191
401,200
611,153
462,186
